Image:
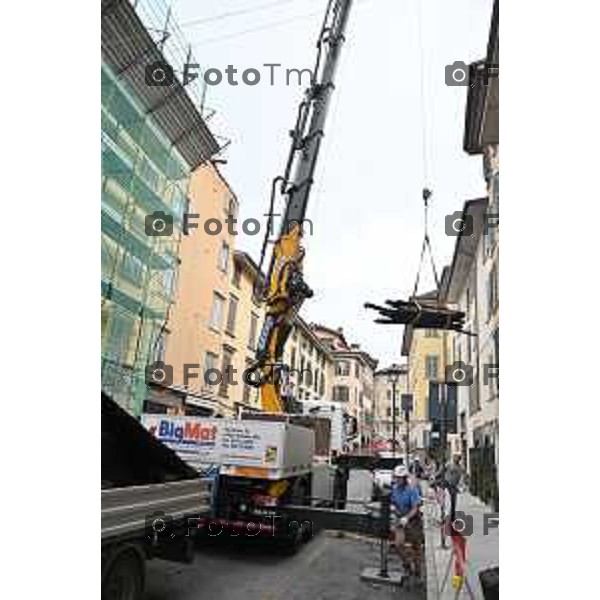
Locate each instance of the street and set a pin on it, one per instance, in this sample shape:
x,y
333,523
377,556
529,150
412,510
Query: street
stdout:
x,y
326,568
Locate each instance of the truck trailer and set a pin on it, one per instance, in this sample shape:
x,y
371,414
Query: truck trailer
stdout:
x,y
151,501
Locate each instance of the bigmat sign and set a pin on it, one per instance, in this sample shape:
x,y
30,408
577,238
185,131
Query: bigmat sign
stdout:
x,y
194,439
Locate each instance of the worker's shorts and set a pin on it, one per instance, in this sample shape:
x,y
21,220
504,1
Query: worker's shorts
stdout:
x,y
413,530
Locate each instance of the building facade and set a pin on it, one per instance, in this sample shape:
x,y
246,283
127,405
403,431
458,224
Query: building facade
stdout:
x,y
311,365
424,350
146,167
199,335
477,282
466,289
353,382
245,317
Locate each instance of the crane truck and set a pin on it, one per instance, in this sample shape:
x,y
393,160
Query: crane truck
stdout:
x,y
270,461
263,461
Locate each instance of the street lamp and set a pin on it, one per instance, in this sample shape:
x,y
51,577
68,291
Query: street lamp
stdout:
x,y
393,377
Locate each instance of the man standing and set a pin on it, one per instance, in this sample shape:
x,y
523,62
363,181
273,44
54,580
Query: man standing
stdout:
x,y
407,523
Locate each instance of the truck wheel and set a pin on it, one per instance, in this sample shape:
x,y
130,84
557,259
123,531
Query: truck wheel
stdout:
x,y
124,579
291,541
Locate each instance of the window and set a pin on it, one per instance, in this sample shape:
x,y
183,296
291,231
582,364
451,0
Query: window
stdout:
x,y
342,368
133,269
341,393
316,380
224,257
431,366
119,337
216,315
431,333
109,250
322,385
469,349
253,329
389,394
247,388
231,314
210,362
492,291
293,358
231,207
160,347
356,370
496,360
149,174
168,281
237,275
227,359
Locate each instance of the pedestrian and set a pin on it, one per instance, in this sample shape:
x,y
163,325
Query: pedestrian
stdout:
x,y
407,522
418,468
453,476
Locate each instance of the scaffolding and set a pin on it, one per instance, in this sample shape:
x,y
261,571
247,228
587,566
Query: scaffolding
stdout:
x,y
152,139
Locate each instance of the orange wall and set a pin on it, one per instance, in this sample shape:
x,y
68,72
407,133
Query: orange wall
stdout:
x,y
190,335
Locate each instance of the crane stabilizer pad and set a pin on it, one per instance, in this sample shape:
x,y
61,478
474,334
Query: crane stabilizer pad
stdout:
x,y
419,316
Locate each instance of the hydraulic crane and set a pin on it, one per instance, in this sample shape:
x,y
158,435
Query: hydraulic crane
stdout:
x,y
284,288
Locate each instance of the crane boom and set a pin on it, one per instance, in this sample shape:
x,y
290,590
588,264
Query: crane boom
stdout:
x,y
285,289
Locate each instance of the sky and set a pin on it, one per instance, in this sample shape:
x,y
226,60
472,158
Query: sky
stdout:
x,y
393,128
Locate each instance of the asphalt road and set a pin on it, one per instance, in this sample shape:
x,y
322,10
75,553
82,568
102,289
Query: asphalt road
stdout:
x,y
326,568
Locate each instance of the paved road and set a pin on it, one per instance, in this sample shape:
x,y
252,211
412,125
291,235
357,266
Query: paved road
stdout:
x,y
327,568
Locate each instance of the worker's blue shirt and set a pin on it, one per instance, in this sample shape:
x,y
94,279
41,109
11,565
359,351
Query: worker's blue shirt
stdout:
x,y
404,498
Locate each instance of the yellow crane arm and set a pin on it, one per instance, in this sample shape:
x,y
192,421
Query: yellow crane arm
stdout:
x,y
284,288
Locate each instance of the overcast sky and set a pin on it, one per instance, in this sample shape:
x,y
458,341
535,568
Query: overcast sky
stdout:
x,y
366,202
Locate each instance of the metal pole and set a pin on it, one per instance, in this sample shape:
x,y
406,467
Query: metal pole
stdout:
x,y
443,433
384,532
394,419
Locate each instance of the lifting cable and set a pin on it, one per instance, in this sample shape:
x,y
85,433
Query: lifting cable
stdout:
x,y
426,247
428,315
426,194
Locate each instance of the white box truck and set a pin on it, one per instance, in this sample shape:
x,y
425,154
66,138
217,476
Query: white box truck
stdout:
x,y
264,462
